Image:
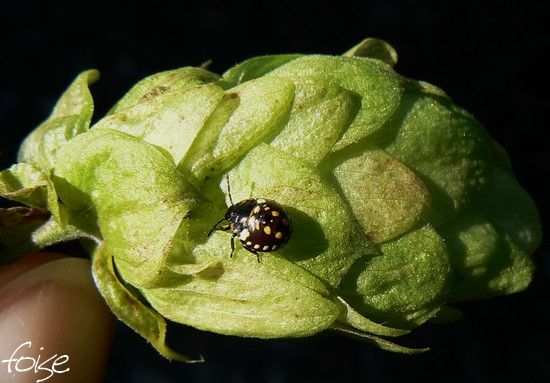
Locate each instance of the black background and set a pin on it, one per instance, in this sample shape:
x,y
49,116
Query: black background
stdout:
x,y
488,55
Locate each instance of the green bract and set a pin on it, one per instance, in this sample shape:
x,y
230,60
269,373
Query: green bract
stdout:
x,y
401,202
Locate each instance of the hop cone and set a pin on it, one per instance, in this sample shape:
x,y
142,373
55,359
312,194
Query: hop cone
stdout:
x,y
401,202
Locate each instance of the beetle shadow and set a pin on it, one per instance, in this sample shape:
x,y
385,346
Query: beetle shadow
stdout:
x,y
308,238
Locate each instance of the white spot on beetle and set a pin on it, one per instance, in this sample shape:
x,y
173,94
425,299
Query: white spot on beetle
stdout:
x,y
244,235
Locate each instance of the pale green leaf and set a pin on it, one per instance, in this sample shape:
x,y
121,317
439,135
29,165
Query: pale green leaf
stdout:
x,y
386,197
491,242
445,146
170,120
511,210
349,316
376,87
127,306
71,116
255,67
377,341
136,193
28,185
321,112
376,49
240,296
161,83
25,184
263,108
406,284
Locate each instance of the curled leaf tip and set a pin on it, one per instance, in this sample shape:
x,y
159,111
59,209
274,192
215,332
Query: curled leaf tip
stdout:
x,y
376,49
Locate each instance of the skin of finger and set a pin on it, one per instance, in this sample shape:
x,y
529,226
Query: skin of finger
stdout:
x,y
49,306
13,270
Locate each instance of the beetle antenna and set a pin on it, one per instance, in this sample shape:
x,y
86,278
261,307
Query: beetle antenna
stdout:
x,y
215,227
229,188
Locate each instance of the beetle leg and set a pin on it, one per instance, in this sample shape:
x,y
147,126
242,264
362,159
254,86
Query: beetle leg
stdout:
x,y
215,227
257,254
232,245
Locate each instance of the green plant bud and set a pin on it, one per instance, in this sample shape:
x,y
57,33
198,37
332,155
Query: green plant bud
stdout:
x,y
400,202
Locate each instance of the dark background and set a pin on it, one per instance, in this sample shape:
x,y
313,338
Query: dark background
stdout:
x,y
488,55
